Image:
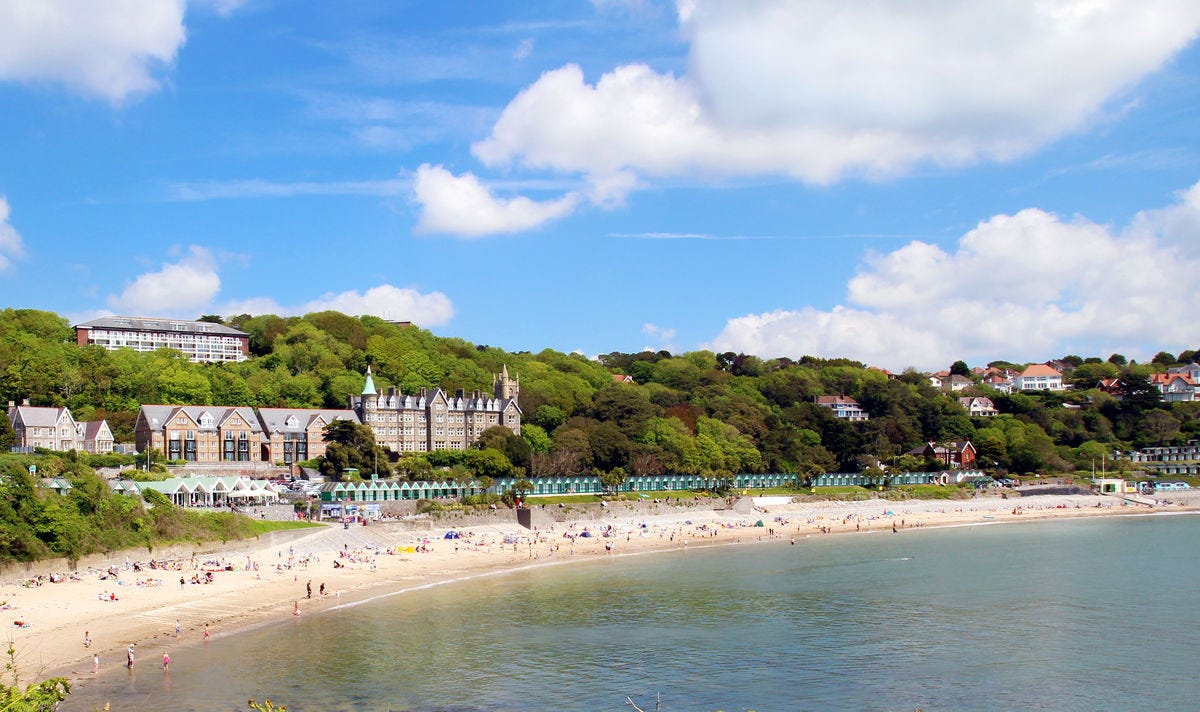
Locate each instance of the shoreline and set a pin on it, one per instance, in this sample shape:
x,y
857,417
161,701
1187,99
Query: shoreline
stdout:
x,y
246,598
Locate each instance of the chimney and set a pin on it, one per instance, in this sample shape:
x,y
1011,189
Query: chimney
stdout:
x,y
25,401
461,393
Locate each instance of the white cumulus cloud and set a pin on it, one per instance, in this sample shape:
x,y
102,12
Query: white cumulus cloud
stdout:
x,y
384,301
190,286
464,206
664,336
388,302
1028,286
182,287
10,241
822,89
112,49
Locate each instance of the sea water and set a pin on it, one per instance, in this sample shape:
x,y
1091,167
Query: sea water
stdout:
x,y
1094,614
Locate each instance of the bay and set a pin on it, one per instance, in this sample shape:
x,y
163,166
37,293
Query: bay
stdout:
x,y
1092,614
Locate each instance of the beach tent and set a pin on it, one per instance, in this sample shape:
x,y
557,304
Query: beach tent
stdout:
x,y
451,535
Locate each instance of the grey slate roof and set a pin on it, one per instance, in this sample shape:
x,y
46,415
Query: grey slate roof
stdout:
x,y
275,419
137,323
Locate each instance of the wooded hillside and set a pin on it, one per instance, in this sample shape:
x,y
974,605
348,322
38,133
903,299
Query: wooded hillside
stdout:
x,y
697,412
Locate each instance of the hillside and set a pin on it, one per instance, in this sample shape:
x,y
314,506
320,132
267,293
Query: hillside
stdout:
x,y
696,412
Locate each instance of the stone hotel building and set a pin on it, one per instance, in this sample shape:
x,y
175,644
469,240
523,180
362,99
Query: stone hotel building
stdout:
x,y
433,420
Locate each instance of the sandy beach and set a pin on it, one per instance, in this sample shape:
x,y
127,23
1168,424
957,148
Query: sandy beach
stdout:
x,y
260,583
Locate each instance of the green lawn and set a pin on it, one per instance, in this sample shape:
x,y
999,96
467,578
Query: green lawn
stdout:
x,y
262,526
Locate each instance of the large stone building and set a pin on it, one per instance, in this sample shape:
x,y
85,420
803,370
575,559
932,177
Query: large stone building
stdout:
x,y
200,433
200,341
433,420
206,434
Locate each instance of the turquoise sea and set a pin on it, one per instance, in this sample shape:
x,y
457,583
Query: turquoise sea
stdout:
x,y
1094,614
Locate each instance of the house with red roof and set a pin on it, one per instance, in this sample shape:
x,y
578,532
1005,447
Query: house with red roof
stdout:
x,y
1039,377
1175,387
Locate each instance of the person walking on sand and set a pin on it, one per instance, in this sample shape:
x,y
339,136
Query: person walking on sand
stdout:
x,y
177,628
296,608
309,588
87,639
129,657
166,661
206,633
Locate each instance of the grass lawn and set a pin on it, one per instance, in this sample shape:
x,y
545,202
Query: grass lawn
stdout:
x,y
262,526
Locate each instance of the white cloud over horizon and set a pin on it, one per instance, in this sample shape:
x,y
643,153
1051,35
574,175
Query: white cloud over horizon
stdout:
x,y
385,301
1027,286
823,90
112,50
11,247
463,206
190,286
187,285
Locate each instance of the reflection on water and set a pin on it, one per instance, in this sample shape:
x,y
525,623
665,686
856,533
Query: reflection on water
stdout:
x,y
1036,616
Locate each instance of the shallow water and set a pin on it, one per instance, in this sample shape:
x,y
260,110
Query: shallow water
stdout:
x,y
1091,614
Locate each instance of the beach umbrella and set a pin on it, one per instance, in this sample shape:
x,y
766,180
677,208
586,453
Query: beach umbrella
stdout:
x,y
451,535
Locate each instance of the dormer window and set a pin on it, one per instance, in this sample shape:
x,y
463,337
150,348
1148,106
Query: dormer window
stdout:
x,y
206,420
292,422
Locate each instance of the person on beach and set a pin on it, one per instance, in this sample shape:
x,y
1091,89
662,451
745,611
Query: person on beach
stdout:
x,y
309,588
87,639
296,608
322,590
166,661
206,633
177,628
129,657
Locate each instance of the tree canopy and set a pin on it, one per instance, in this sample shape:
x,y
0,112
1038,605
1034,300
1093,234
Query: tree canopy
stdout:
x,y
697,412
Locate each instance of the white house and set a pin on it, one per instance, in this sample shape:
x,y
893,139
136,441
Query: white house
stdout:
x,y
1038,377
843,407
979,407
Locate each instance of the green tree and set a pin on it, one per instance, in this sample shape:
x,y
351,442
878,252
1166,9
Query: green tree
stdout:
x,y
8,437
1162,358
489,463
536,438
1139,392
352,445
960,368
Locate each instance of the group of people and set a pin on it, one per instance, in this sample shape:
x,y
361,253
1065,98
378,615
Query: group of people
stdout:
x,y
130,651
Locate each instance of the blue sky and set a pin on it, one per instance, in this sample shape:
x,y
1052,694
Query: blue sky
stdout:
x,y
902,183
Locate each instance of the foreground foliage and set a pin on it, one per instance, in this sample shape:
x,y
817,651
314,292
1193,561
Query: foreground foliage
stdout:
x,y
41,696
37,523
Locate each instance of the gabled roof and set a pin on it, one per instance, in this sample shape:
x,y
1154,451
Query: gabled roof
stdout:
x,y
37,416
275,420
1039,369
1167,379
92,429
157,416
